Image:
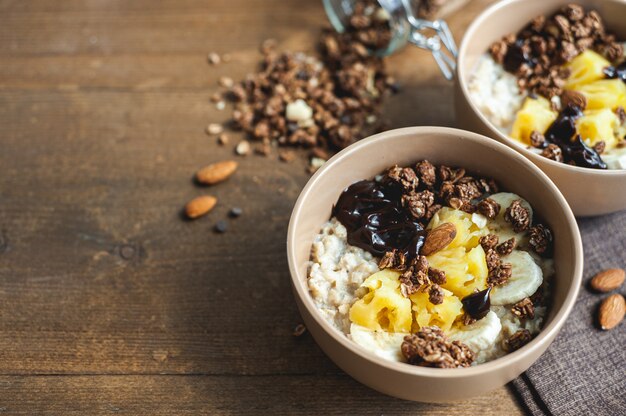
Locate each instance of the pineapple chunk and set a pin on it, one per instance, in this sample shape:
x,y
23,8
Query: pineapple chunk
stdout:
x,y
477,267
383,307
585,68
606,93
464,259
465,271
535,114
442,315
452,261
467,232
599,125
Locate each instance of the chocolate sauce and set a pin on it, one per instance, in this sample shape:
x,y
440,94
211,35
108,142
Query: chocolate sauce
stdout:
x,y
616,72
562,132
477,304
376,221
516,56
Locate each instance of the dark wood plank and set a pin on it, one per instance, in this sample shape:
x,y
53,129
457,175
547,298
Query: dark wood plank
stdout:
x,y
77,305
211,395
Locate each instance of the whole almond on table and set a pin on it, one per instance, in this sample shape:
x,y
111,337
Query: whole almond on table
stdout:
x,y
608,280
200,206
438,238
216,172
611,311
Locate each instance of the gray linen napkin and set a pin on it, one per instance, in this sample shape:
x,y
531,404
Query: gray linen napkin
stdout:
x,y
584,371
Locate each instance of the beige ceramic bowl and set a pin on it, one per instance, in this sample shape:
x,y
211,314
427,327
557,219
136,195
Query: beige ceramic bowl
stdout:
x,y
368,158
588,191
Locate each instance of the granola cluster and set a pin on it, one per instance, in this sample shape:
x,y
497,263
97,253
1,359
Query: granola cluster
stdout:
x,y
418,276
540,239
517,340
536,54
429,347
524,309
324,103
518,216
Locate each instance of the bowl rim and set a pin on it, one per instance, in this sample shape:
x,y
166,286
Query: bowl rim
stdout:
x,y
461,77
547,333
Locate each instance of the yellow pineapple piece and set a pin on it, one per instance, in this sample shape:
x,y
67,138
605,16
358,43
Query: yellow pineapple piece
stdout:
x,y
467,233
606,93
465,271
464,259
383,307
442,315
452,261
477,267
585,68
599,125
535,114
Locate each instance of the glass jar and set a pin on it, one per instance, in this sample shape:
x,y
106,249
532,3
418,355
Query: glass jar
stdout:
x,y
406,27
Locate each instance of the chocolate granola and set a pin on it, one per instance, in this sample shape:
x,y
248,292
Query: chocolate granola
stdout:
x,y
488,207
518,216
325,102
507,247
524,309
430,347
415,277
540,239
517,340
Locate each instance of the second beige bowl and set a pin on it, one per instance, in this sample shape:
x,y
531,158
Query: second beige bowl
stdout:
x,y
368,158
588,191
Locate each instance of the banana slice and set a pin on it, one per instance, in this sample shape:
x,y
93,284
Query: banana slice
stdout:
x,y
382,343
480,335
526,277
500,226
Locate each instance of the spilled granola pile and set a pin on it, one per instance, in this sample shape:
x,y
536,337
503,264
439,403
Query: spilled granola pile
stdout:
x,y
324,102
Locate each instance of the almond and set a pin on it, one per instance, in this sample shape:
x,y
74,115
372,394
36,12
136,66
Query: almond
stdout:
x,y
216,172
611,311
608,280
200,206
573,97
438,238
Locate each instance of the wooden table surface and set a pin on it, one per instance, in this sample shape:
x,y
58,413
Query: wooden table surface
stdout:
x,y
111,304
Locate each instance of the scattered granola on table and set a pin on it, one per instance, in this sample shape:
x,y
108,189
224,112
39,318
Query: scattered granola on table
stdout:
x,y
433,266
325,101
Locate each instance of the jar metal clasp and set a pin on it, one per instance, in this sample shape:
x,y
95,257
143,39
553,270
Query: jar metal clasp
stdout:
x,y
406,27
441,44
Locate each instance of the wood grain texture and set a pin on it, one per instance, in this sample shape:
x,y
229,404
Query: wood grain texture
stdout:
x,y
219,395
111,303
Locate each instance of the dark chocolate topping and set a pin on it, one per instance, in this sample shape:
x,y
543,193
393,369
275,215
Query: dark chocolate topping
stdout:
x,y
516,56
477,304
563,133
375,219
